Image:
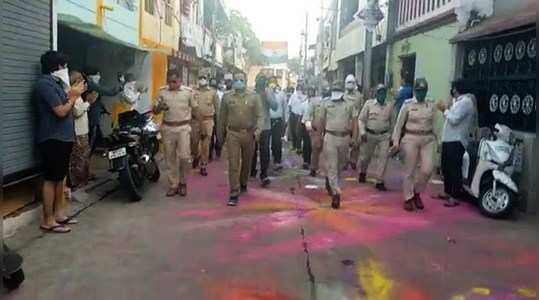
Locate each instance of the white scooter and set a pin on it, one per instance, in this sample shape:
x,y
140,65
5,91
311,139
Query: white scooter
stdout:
x,y
488,170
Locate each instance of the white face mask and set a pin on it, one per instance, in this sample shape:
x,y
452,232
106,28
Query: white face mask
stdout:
x,y
203,82
95,78
336,95
350,86
63,75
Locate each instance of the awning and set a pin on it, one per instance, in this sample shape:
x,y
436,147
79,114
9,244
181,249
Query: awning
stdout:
x,y
498,24
91,29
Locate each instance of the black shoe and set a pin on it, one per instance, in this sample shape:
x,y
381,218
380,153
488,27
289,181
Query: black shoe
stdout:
x,y
328,187
409,205
182,190
313,173
243,189
233,201
265,181
336,201
362,178
417,201
203,172
353,166
305,166
381,187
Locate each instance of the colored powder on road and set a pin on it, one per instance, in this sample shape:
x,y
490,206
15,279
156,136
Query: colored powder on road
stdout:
x,y
413,293
335,220
233,292
374,281
481,291
527,293
458,297
267,205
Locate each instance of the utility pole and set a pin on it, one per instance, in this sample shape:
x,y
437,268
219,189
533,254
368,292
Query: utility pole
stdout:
x,y
214,39
321,47
371,16
306,47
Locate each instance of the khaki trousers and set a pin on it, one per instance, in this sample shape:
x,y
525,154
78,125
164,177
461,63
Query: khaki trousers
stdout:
x,y
374,142
335,153
207,130
195,139
418,149
317,142
240,147
177,153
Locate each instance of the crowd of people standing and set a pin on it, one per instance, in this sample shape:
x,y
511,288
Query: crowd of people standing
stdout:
x,y
334,121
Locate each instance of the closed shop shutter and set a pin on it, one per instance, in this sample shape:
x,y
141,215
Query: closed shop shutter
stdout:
x,y
25,34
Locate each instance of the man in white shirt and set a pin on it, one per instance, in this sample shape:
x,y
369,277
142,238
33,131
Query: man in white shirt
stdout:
x,y
459,122
278,121
295,105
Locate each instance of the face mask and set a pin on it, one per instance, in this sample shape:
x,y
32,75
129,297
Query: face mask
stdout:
x,y
350,86
203,82
238,85
421,95
63,75
95,78
336,95
381,96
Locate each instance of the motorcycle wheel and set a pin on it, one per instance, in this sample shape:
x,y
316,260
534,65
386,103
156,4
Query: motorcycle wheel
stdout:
x,y
129,183
13,281
153,171
497,207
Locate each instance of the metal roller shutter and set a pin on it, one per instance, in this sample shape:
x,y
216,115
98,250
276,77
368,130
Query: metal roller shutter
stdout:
x,y
25,34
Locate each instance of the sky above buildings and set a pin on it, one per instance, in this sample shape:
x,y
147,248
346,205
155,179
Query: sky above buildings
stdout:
x,y
281,20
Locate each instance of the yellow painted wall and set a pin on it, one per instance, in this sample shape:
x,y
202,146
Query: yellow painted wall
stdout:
x,y
155,33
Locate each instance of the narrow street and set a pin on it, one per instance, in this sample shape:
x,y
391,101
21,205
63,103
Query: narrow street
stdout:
x,y
282,243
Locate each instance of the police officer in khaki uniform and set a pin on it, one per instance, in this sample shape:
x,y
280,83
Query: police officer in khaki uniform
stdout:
x,y
177,105
375,122
208,105
414,135
354,97
338,123
311,119
240,120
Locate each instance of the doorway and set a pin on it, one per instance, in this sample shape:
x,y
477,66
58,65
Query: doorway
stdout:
x,y
408,68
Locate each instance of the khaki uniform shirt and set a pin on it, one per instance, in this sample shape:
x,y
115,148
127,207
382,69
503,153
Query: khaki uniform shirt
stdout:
x,y
415,116
240,111
356,100
180,104
376,117
208,102
337,116
313,112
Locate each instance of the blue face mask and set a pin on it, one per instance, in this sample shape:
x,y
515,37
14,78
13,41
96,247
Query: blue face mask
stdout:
x,y
421,95
381,96
238,85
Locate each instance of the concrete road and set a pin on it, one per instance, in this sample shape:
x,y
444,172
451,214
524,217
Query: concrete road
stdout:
x,y
281,243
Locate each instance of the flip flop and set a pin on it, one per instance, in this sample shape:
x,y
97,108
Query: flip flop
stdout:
x,y
68,221
56,229
447,204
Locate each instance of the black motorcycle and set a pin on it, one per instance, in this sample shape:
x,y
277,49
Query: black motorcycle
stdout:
x,y
131,152
11,269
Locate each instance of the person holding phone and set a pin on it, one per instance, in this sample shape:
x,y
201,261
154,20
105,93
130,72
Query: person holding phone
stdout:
x,y
55,99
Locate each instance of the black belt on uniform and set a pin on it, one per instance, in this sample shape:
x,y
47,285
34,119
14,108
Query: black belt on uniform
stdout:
x,y
176,123
241,130
419,132
338,133
376,132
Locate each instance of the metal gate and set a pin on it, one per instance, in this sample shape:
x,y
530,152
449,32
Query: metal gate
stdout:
x,y
25,34
503,72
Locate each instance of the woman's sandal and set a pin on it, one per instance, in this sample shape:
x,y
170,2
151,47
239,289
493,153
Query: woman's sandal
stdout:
x,y
68,221
56,229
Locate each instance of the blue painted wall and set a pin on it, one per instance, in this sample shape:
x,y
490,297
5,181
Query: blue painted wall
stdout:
x,y
122,22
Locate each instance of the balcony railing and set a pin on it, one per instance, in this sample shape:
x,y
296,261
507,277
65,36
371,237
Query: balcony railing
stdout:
x,y
413,12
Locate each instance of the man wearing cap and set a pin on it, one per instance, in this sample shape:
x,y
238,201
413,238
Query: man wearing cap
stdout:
x,y
414,135
354,97
208,105
178,106
338,123
240,122
312,123
375,122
